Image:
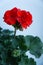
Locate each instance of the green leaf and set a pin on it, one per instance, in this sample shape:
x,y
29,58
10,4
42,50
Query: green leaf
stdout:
x,y
27,61
36,47
0,28
2,55
22,45
28,40
7,32
42,48
14,43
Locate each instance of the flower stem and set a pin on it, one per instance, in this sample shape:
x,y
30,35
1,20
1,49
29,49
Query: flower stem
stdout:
x,y
15,32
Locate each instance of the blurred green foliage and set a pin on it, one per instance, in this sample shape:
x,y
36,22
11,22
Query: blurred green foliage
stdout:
x,y
13,49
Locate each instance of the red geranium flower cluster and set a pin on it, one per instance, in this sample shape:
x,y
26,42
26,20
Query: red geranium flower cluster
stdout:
x,y
16,15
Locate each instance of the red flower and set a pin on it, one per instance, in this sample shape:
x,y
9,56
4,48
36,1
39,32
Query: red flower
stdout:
x,y
18,18
10,16
24,18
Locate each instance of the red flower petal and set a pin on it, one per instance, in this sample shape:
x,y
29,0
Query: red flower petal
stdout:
x,y
10,16
24,18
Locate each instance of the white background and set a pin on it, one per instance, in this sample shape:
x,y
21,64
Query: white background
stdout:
x,y
36,9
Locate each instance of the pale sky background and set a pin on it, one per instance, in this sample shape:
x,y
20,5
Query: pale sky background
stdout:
x,y
36,9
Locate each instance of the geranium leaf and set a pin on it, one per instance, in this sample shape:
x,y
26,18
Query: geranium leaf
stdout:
x,y
36,47
28,40
27,61
21,44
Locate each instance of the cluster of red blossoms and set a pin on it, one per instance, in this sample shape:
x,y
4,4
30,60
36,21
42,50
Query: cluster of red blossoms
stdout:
x,y
15,15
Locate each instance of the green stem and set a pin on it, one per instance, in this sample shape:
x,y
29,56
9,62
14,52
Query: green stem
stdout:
x,y
15,32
